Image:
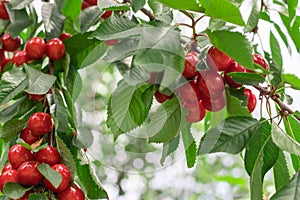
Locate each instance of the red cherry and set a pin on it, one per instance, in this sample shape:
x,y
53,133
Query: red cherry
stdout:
x,y
3,12
48,155
210,83
251,100
258,59
64,36
28,136
189,92
161,97
84,5
106,14
28,173
217,60
8,176
40,123
91,2
66,178
191,60
36,48
9,43
18,154
111,42
6,167
196,111
4,62
74,193
37,97
214,104
234,67
20,57
55,49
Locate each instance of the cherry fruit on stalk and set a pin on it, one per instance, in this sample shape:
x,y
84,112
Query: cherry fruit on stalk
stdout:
x,y
74,193
36,48
20,57
37,97
9,43
64,36
191,60
28,136
48,155
66,178
106,14
161,97
6,167
28,173
40,123
3,11
18,154
251,100
55,49
196,111
234,67
189,92
210,83
8,176
217,60
258,59
214,104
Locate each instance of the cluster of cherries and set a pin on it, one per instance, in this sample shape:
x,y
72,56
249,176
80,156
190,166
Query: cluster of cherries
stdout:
x,y
23,163
205,89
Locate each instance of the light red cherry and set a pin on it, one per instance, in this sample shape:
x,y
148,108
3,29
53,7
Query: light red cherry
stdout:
x,y
251,100
8,176
55,49
217,60
3,11
66,178
28,173
214,104
210,83
234,67
18,154
40,123
28,136
196,111
20,57
189,92
48,155
74,193
161,97
9,43
36,48
191,60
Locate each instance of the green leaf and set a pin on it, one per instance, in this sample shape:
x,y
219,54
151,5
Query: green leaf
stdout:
x,y
233,44
39,82
275,49
290,191
189,145
247,78
284,141
236,103
161,12
293,29
14,190
38,196
84,138
281,171
137,4
20,4
50,174
253,19
223,9
128,107
12,83
133,75
9,112
291,79
183,5
112,5
12,128
169,148
69,10
216,24
166,122
282,34
4,147
231,136
74,83
292,6
53,20
88,17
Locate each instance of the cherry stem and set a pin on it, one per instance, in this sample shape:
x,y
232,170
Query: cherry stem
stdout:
x,y
51,72
144,10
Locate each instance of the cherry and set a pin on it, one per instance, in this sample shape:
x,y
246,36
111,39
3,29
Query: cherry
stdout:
x,y
196,111
234,67
191,60
55,49
161,97
91,2
106,14
217,60
6,167
40,123
28,173
36,48
74,193
20,57
66,178
28,136
3,12
4,62
189,92
64,36
8,176
18,154
214,104
251,100
37,97
210,83
9,43
84,5
111,42
258,59
48,155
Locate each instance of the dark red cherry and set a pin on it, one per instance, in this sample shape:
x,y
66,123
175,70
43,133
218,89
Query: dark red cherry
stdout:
x,y
74,193
210,83
196,111
18,154
189,92
3,11
191,60
55,49
8,176
251,100
9,43
20,57
28,173
217,60
234,67
214,104
28,136
40,123
6,167
66,178
161,97
36,48
48,155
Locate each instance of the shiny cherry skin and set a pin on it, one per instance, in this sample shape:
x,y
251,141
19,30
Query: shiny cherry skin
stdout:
x,y
111,42
40,123
210,83
234,67
28,136
66,178
214,104
8,176
91,2
106,14
64,36
9,43
74,193
28,173
36,48
55,49
3,11
18,154
196,111
251,100
20,57
189,92
6,167
37,97
217,60
48,155
191,60
161,97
